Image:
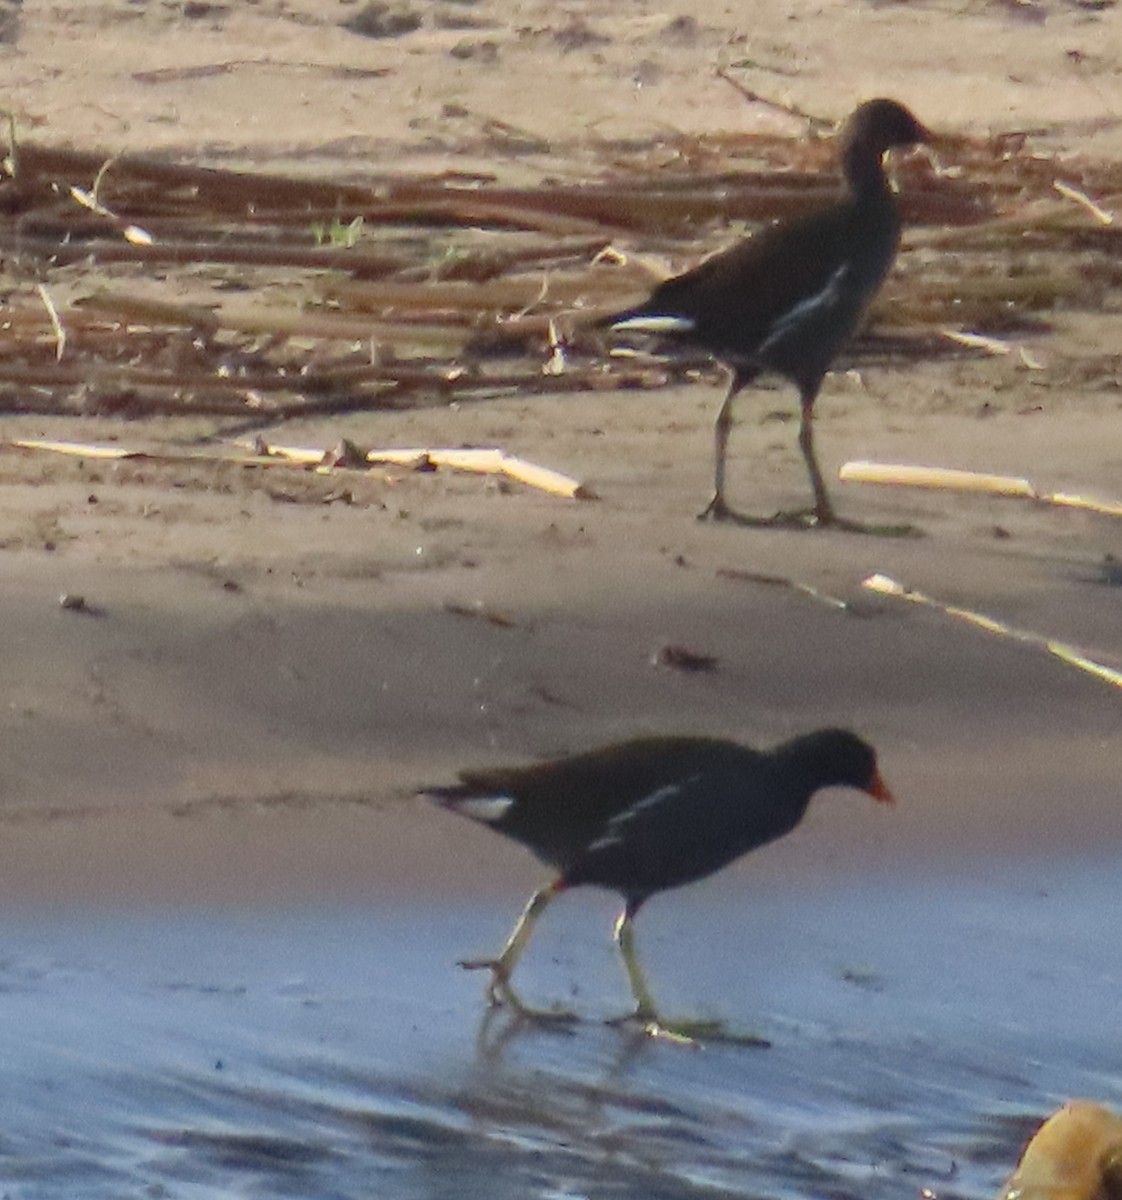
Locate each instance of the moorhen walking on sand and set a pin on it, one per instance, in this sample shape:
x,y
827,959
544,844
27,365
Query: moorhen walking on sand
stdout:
x,y
642,816
786,300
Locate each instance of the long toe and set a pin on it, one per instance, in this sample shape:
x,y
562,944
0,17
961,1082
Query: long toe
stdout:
x,y
689,1031
499,991
716,510
875,529
659,1032
481,964
813,518
697,1032
653,1026
797,518
500,994
803,518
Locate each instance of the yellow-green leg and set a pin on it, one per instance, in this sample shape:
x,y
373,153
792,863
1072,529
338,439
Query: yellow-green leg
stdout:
x,y
823,515
645,1012
681,1033
717,509
624,935
499,989
823,509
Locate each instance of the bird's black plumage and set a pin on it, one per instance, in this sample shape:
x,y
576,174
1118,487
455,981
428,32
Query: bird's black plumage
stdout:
x,y
786,300
643,816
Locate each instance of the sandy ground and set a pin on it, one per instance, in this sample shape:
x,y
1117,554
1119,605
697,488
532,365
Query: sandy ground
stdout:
x,y
281,80
248,643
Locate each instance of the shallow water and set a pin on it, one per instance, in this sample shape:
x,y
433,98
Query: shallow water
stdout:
x,y
920,1028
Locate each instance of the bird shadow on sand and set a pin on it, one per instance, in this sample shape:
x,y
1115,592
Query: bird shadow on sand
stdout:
x,y
806,520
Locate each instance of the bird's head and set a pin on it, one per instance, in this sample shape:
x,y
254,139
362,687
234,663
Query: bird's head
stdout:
x,y
881,125
837,757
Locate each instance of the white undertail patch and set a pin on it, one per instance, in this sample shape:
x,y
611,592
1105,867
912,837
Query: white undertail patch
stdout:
x,y
658,323
488,809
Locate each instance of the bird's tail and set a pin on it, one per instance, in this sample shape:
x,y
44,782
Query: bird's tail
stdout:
x,y
486,807
445,796
645,319
613,319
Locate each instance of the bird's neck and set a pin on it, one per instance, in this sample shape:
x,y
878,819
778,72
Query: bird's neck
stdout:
x,y
792,795
864,175
802,767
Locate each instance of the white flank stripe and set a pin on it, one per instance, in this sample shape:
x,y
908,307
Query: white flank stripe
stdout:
x,y
793,317
656,324
613,837
486,808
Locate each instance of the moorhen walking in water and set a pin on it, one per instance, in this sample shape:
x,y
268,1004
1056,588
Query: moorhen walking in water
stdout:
x,y
642,816
786,300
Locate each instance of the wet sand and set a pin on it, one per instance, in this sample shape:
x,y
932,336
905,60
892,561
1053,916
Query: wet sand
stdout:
x,y
228,961
919,1032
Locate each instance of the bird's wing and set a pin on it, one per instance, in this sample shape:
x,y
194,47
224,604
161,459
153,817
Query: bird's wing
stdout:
x,y
592,788
740,297
678,832
818,306
558,808
657,812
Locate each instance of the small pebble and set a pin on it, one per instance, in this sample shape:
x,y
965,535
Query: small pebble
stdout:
x,y
72,602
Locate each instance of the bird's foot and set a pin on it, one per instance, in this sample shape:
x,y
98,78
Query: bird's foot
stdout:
x,y
658,1032
822,516
500,992
780,520
818,517
826,518
870,530
654,1027
691,1032
716,510
808,518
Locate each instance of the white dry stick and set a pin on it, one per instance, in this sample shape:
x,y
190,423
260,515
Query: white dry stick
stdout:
x,y
99,179
795,585
978,341
1069,193
486,461
935,477
556,363
131,233
56,323
480,460
74,449
89,200
1067,500
137,236
11,159
1069,654
951,479
540,298
994,346
609,254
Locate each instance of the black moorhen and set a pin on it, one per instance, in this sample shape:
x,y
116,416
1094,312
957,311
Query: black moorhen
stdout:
x,y
786,300
642,816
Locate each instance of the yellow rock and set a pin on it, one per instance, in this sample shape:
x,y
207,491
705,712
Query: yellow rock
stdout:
x,y
1075,1155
